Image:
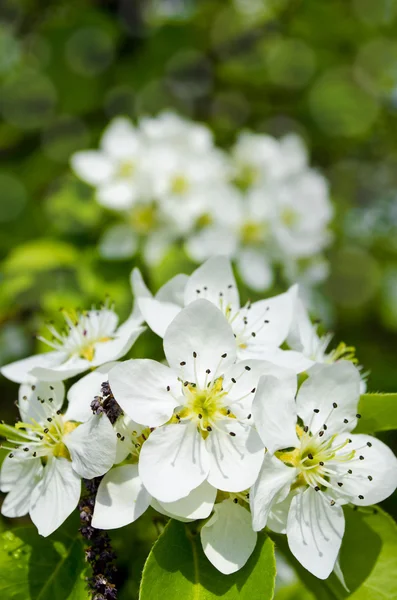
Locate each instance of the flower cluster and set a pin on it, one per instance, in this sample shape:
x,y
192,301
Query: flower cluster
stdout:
x,y
247,424
260,203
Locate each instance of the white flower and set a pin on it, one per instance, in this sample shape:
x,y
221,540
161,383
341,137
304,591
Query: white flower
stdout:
x,y
314,464
240,228
227,538
260,159
200,406
171,129
90,339
259,328
302,214
48,456
115,170
303,338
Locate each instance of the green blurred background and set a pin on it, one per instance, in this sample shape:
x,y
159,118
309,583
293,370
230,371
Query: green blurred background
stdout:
x,y
326,70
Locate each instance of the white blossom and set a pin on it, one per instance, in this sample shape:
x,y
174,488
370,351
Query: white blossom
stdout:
x,y
49,455
89,340
200,407
259,328
314,464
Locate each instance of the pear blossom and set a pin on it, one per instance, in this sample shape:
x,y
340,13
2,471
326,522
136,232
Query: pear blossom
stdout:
x,y
259,328
260,158
90,339
49,455
314,464
303,337
199,407
115,169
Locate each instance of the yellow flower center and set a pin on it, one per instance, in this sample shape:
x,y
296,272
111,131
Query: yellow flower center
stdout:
x,y
253,232
204,406
144,218
179,185
126,169
289,216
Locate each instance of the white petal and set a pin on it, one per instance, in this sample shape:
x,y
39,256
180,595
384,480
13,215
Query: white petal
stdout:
x,y
30,396
121,498
120,139
126,335
140,387
211,241
289,359
265,324
274,412
197,505
156,246
19,478
241,381
327,384
118,242
235,461
56,496
92,447
173,462
255,269
83,392
158,315
117,195
92,166
278,516
173,291
200,337
129,430
227,538
315,530
271,487
20,370
65,368
215,282
379,463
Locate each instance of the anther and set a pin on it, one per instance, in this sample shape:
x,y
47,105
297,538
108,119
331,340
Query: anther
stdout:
x,y
369,444
46,430
249,416
325,427
168,388
49,419
208,371
316,489
10,455
350,471
321,463
358,416
361,457
119,435
334,405
340,483
247,368
224,355
332,502
321,433
370,477
234,381
183,363
58,412
209,428
33,387
253,390
235,500
194,354
361,497
26,449
232,433
310,456
51,387
229,287
179,418
253,334
316,410
306,429
345,420
200,416
198,291
34,454
185,383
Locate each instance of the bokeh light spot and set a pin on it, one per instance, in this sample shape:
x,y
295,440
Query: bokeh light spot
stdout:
x,y
12,197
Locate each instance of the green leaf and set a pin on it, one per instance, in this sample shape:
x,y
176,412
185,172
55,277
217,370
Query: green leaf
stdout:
x,y
37,568
379,413
177,569
40,255
368,559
